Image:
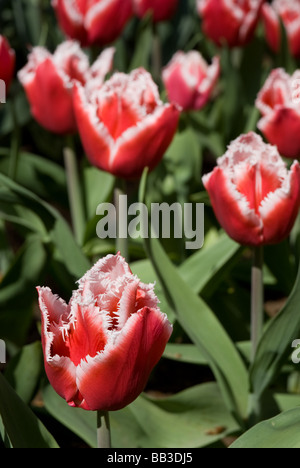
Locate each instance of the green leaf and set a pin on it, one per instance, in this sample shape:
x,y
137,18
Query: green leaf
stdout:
x,y
23,428
206,268
23,371
275,345
98,188
126,432
196,417
203,328
279,432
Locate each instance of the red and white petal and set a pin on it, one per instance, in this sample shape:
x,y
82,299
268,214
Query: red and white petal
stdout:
x,y
232,209
145,144
280,208
113,379
105,20
71,19
280,129
272,26
95,138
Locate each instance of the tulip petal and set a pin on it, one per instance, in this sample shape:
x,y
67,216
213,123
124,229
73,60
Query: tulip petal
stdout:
x,y
280,129
232,209
71,19
95,138
280,208
145,144
115,377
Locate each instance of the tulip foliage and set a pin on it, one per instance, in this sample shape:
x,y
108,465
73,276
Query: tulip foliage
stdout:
x,y
112,111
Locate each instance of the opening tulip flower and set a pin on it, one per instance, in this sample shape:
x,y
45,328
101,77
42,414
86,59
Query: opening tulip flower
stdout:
x,y
124,126
189,80
279,104
7,62
93,22
49,79
229,21
254,197
287,11
101,348
161,10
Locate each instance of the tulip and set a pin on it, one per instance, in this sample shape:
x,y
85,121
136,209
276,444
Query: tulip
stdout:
x,y
289,12
124,126
229,21
161,10
7,62
49,80
96,22
101,348
254,197
280,109
189,80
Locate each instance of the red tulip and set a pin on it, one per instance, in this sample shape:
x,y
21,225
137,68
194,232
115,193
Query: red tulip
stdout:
x,y
101,348
189,80
254,197
49,80
161,10
280,109
93,22
124,126
7,62
229,21
289,12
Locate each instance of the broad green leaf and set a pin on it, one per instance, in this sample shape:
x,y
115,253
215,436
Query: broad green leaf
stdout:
x,y
98,188
196,417
23,371
126,432
17,290
23,428
280,432
275,345
206,268
203,328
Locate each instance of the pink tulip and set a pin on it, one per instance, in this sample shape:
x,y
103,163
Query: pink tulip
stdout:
x,y
280,108
232,22
161,10
49,80
254,197
101,348
93,22
189,80
289,12
124,126
7,62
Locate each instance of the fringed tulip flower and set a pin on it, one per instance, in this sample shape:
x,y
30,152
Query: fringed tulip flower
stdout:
x,y
49,79
231,22
279,105
101,348
161,10
289,12
254,197
7,62
124,126
189,80
93,22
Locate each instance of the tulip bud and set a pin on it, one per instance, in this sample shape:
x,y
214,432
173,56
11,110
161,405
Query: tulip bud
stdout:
x,y
7,62
161,10
189,80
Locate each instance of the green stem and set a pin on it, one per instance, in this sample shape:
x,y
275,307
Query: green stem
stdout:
x,y
156,54
122,220
74,191
257,299
103,430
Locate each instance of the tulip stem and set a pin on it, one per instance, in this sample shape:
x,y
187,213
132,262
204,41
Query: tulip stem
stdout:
x,y
122,220
257,299
74,191
103,430
15,143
